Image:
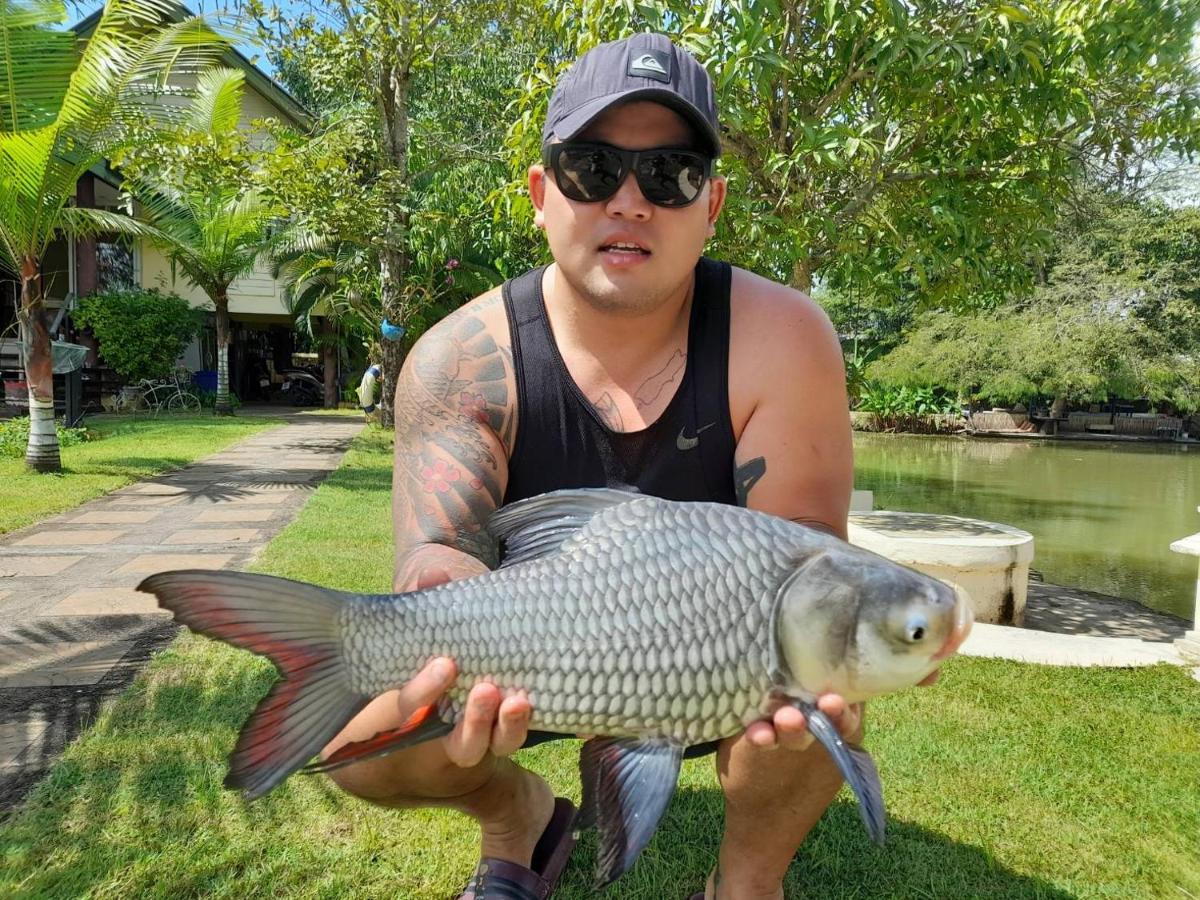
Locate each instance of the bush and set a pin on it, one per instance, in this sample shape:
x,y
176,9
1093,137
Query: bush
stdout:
x,y
141,332
14,436
917,410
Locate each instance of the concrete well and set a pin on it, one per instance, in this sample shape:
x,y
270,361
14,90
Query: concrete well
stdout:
x,y
986,560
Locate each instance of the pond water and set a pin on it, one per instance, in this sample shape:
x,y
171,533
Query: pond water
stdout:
x,y
1102,514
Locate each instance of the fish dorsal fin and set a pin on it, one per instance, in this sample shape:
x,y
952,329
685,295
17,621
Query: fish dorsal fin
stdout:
x,y
538,526
627,784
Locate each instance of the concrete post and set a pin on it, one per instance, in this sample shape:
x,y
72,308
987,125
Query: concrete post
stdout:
x,y
1189,644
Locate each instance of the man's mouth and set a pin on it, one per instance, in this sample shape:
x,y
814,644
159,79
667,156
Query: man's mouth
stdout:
x,y
624,247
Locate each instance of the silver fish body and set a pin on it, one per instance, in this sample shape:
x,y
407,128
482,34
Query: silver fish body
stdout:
x,y
654,620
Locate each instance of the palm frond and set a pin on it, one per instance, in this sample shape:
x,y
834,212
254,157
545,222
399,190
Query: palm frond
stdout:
x,y
217,106
85,223
36,62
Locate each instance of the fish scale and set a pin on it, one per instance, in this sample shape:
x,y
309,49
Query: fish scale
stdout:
x,y
601,605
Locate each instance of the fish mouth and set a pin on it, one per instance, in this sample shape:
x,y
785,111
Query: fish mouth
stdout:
x,y
964,617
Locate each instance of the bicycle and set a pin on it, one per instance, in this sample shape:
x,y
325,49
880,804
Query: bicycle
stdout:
x,y
172,394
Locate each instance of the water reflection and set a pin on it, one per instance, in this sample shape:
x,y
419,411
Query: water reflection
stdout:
x,y
1102,514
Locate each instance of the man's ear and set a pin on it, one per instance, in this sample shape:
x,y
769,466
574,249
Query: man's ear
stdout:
x,y
716,200
537,193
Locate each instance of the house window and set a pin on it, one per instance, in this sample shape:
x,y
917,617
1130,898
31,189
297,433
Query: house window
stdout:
x,y
114,265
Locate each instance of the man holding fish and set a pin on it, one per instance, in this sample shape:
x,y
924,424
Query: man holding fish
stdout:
x,y
548,418
753,410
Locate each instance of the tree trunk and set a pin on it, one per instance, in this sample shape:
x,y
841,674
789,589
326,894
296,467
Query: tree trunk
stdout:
x,y
393,260
802,275
41,453
223,406
1058,408
329,356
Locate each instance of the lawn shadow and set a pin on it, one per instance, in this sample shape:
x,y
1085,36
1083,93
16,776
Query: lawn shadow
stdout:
x,y
836,861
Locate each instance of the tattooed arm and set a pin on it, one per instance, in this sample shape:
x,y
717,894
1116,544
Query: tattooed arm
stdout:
x,y
455,419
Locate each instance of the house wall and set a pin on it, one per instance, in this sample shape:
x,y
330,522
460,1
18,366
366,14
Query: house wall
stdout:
x,y
257,293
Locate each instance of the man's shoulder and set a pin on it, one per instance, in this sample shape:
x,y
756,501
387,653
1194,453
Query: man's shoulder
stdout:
x,y
478,324
767,314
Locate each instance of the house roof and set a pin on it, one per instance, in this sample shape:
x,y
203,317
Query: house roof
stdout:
x,y
258,79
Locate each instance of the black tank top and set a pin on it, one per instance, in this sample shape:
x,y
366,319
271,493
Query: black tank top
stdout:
x,y
686,454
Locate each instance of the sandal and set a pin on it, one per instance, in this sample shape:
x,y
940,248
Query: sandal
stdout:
x,y
499,879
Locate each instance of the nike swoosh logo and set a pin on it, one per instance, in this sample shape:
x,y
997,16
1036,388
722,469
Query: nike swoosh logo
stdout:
x,y
683,442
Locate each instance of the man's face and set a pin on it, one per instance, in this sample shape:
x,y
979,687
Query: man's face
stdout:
x,y
581,234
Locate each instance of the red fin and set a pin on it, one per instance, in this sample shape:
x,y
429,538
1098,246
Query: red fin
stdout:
x,y
423,725
295,625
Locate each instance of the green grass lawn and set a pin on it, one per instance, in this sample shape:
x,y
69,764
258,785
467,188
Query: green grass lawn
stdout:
x,y
1003,780
128,449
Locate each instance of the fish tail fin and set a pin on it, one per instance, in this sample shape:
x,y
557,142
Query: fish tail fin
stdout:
x,y
293,624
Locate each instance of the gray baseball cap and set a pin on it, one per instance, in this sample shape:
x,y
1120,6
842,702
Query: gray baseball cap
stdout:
x,y
641,67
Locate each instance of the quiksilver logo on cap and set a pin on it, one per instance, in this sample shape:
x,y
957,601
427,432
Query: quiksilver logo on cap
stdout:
x,y
651,65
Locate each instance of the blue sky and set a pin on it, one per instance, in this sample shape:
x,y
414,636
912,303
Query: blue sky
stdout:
x,y
218,8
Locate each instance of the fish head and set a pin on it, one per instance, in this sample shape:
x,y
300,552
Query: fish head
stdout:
x,y
856,624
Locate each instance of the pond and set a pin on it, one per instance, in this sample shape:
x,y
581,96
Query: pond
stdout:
x,y
1102,514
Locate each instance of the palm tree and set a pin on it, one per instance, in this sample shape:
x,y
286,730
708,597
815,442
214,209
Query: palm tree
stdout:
x,y
338,276
65,106
215,229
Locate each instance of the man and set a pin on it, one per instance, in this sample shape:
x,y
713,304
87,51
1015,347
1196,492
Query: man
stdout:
x,y
630,361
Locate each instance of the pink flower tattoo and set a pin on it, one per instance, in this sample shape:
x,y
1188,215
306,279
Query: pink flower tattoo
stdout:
x,y
439,477
473,406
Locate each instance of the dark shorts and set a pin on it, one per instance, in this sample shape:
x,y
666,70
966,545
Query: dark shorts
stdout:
x,y
542,737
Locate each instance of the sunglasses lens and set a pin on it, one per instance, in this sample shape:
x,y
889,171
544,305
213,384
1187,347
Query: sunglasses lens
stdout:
x,y
671,177
588,173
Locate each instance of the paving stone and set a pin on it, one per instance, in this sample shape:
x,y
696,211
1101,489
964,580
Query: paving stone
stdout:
x,y
63,538
235,515
213,536
108,601
22,566
114,517
148,563
58,664
149,500
16,736
260,498
160,489
4,594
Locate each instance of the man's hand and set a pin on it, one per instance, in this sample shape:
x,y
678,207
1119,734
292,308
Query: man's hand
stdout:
x,y
789,729
489,721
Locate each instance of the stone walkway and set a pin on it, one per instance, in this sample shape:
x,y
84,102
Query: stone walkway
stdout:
x,y
73,631
1073,627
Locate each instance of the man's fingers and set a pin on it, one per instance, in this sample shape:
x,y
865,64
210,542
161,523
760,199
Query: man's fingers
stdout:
x,y
467,744
512,725
427,686
791,729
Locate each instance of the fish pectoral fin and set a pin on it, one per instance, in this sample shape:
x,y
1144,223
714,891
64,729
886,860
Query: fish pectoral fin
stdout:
x,y
423,725
627,784
856,766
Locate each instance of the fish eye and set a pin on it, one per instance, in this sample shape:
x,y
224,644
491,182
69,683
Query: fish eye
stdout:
x,y
914,631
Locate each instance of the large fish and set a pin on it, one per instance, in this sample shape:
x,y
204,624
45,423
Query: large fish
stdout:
x,y
652,624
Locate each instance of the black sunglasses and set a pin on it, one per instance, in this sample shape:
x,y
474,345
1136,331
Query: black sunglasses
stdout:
x,y
593,172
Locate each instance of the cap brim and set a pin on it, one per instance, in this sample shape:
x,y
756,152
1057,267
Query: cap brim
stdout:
x,y
570,125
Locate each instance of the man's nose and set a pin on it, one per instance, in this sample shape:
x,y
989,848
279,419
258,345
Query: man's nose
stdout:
x,y
628,202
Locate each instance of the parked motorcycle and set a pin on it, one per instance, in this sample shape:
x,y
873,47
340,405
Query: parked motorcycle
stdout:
x,y
301,388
